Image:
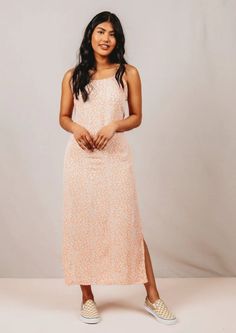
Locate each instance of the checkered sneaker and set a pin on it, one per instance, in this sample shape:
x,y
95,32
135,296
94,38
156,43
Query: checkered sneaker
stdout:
x,y
160,311
89,312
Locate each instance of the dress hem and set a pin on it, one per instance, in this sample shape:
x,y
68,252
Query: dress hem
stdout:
x,y
104,283
70,282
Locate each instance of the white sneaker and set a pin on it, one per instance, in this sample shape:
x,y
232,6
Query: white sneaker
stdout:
x,y
160,311
89,312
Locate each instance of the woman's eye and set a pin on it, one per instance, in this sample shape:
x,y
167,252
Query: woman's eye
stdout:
x,y
113,35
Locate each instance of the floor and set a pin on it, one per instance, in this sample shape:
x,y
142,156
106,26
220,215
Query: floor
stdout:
x,y
48,305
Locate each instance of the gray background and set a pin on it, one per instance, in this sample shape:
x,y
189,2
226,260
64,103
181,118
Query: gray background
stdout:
x,y
184,150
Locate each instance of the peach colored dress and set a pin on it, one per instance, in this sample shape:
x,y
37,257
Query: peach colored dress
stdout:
x,y
102,232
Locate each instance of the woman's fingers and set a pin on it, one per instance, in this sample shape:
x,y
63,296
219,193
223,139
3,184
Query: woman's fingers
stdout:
x,y
99,141
81,144
102,143
88,142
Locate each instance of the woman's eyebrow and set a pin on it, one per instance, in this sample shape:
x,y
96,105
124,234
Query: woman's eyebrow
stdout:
x,y
105,29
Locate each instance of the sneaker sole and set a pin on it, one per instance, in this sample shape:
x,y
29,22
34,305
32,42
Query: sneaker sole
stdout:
x,y
161,320
89,320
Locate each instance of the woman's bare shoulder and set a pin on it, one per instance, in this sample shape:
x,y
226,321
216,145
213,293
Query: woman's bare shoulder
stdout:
x,y
131,72
67,79
68,74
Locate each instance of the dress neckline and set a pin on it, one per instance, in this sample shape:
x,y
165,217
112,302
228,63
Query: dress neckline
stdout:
x,y
108,78
105,78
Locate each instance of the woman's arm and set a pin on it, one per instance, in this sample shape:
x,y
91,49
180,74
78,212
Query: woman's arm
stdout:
x,y
81,134
67,103
134,101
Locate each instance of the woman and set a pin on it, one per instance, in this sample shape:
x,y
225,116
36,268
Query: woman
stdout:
x,y
103,241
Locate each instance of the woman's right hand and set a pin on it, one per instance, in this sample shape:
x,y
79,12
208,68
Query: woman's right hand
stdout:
x,y
83,137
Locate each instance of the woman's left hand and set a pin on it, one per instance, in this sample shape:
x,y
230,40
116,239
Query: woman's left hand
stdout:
x,y
104,135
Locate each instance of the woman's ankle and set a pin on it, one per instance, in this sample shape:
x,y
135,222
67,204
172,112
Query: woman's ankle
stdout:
x,y
153,296
86,297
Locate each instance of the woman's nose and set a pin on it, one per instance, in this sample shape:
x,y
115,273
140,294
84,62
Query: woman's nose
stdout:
x,y
105,38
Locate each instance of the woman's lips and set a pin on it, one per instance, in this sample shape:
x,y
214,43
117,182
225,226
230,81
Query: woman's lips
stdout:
x,y
104,47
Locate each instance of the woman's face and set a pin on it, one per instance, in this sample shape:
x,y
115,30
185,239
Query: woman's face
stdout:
x,y
103,35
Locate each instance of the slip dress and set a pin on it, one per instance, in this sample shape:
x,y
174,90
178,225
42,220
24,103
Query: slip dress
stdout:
x,y
102,231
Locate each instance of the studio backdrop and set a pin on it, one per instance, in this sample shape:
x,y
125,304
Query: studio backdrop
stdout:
x,y
184,150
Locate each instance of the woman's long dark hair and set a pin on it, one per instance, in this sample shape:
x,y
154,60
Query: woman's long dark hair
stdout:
x,y
81,76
